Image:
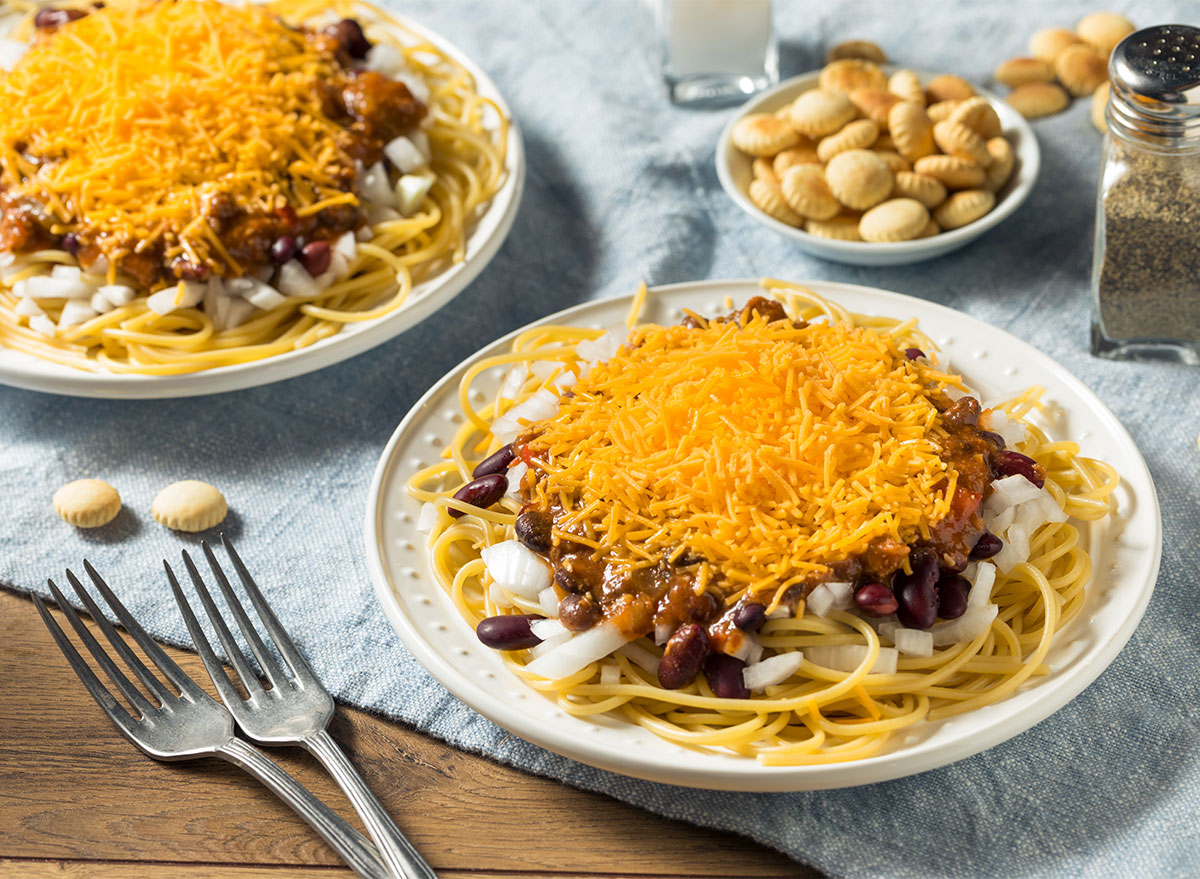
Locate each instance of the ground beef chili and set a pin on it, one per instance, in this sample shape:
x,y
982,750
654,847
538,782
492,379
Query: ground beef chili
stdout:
x,y
662,599
372,109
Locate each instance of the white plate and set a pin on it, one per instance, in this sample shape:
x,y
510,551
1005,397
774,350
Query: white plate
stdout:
x,y
492,227
1125,551
734,172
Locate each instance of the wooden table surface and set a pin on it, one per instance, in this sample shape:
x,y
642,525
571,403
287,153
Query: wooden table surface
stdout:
x,y
77,800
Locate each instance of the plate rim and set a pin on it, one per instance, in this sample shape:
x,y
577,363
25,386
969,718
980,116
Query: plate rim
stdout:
x,y
742,774
887,253
25,372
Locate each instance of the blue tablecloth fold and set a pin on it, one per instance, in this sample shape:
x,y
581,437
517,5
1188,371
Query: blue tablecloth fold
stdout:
x,y
621,188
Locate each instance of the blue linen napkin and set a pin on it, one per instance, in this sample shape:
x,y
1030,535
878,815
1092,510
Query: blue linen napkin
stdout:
x,y
621,188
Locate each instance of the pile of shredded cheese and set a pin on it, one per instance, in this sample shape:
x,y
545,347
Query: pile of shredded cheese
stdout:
x,y
767,450
134,113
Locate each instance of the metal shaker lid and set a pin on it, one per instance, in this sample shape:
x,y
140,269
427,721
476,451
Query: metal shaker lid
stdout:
x,y
1160,65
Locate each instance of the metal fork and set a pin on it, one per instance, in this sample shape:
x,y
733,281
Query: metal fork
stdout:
x,y
295,709
190,725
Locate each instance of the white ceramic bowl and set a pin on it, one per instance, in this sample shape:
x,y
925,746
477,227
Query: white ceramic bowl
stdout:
x,y
735,174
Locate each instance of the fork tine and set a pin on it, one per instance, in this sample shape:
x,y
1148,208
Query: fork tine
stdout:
x,y
139,668
165,664
216,671
278,633
104,699
239,610
110,668
234,653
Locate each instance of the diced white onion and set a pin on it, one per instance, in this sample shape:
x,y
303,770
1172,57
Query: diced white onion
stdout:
x,y
548,602
966,628
100,304
982,578
579,652
264,296
997,421
913,642
411,190
513,381
549,644
662,633
887,629
772,670
516,568
42,324
28,308
416,85
640,656
593,351
543,369
740,645
497,594
386,59
377,214
118,294
403,153
542,404
420,140
547,629
346,245
11,51
821,601
7,259
1050,510
427,518
1014,489
566,380
294,280
67,273
516,473
848,657
375,187
364,233
610,674
49,287
237,313
75,311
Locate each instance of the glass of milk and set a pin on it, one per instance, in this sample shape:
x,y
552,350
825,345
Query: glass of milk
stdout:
x,y
715,51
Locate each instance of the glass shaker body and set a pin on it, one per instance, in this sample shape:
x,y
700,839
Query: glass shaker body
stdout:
x,y
1146,270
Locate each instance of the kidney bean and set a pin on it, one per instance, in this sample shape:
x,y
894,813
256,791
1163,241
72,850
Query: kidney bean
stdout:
x,y
724,675
482,493
994,438
914,353
952,592
964,412
875,599
350,37
49,18
71,243
533,530
283,249
315,257
916,593
508,632
1010,463
497,462
986,546
568,582
750,617
578,612
683,656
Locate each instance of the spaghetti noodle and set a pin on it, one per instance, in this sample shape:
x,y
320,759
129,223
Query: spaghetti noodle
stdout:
x,y
824,677
268,175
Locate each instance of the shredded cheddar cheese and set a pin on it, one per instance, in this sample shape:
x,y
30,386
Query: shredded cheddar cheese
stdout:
x,y
770,451
124,121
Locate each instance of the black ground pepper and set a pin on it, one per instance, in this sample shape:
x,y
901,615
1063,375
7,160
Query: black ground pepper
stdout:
x,y
1148,277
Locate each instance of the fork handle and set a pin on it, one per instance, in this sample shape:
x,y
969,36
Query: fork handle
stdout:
x,y
354,848
396,851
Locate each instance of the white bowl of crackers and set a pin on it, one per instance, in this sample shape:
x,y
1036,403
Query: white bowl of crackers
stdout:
x,y
869,164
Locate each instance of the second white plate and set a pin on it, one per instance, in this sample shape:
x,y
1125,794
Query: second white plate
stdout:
x,y
24,371
1125,551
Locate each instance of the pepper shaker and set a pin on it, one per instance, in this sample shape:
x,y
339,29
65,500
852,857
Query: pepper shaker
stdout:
x,y
1146,269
